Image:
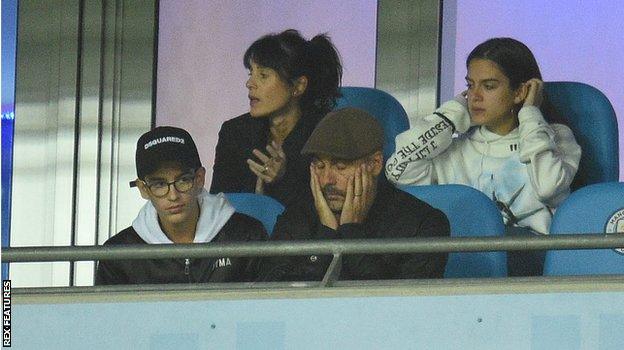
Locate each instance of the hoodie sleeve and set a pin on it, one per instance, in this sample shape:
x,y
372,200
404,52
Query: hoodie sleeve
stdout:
x,y
551,154
411,163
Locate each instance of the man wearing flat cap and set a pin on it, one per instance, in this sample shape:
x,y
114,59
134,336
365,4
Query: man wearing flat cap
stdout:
x,y
350,200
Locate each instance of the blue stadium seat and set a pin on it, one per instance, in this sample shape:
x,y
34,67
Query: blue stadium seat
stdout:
x,y
382,106
597,208
592,119
471,214
263,208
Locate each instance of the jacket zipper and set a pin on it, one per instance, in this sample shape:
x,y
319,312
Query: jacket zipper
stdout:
x,y
187,268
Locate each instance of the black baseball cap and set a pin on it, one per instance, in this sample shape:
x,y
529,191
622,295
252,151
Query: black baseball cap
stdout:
x,y
165,144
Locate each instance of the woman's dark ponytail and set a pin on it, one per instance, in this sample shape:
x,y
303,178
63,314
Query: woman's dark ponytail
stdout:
x,y
325,75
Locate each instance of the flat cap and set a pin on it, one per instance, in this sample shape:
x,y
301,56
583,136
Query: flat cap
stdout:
x,y
347,133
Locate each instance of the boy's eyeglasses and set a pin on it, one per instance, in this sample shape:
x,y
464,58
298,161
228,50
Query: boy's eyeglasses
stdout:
x,y
159,189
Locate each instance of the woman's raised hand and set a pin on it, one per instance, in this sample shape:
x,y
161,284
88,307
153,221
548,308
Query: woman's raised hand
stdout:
x,y
271,167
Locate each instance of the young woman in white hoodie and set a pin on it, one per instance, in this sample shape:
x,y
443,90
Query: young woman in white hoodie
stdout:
x,y
500,136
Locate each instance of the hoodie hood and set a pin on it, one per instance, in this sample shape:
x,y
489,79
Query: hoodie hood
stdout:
x,y
214,213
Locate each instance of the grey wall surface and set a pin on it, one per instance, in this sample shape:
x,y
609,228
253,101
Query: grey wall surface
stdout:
x,y
84,91
408,54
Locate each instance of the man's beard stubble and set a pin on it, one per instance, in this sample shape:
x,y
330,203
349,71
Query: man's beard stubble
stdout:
x,y
331,190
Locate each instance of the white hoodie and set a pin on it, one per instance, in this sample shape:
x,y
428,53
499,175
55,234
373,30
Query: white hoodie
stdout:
x,y
214,213
527,171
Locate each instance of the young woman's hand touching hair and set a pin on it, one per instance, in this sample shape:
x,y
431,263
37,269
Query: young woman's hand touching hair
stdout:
x,y
535,92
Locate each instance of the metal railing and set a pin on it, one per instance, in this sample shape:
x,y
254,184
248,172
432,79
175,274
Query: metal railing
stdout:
x,y
333,247
337,248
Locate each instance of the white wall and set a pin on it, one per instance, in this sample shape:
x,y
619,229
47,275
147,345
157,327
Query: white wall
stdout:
x,y
201,77
572,41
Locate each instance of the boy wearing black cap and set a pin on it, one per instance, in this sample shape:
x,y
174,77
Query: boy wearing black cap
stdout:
x,y
179,210
350,200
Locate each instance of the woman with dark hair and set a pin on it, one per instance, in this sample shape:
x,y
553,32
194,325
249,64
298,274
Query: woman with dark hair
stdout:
x,y
518,152
292,84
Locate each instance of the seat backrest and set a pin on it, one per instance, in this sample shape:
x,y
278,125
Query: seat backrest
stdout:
x,y
470,213
382,106
597,208
263,208
592,119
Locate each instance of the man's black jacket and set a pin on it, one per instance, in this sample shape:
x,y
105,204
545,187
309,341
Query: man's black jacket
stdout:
x,y
394,214
239,227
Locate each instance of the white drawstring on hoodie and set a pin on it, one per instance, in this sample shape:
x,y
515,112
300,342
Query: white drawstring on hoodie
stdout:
x,y
214,213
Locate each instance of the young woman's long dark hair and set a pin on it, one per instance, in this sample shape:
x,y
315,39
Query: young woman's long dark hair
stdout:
x,y
518,64
292,56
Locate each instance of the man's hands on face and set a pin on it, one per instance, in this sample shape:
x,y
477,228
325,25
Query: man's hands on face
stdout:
x,y
360,196
326,216
358,200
